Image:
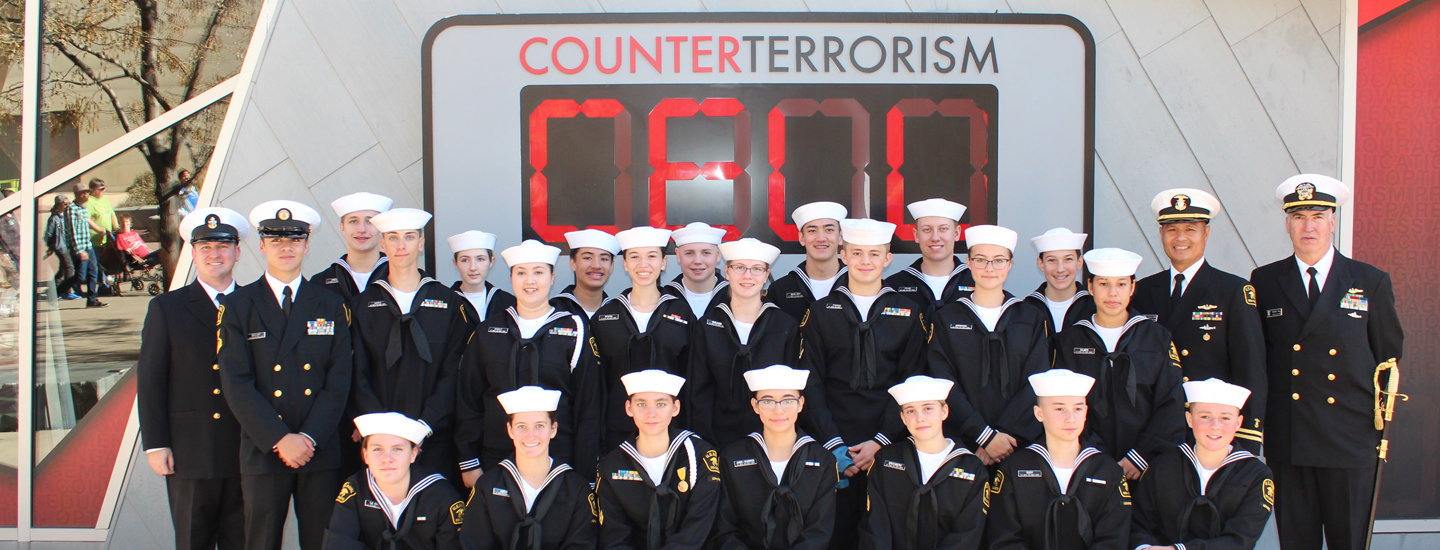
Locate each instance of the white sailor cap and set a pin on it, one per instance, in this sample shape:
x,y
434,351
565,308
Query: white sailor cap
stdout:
x,y
643,237
1112,262
530,251
283,218
1061,383
921,388
823,210
652,380
529,399
593,238
776,377
214,223
991,234
936,207
471,240
393,423
697,232
356,202
1058,238
1215,390
400,219
1183,204
866,232
1312,192
749,249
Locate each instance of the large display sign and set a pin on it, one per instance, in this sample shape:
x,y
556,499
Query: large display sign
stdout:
x,y
538,125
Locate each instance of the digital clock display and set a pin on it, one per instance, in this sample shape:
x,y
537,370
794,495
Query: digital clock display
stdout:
x,y
742,157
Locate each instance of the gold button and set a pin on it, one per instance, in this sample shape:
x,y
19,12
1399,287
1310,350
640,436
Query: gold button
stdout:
x,y
277,393
1207,337
1185,352
1295,396
307,390
1330,400
277,368
1332,377
217,391
217,416
1294,372
1184,378
307,366
1297,347
215,367
1333,352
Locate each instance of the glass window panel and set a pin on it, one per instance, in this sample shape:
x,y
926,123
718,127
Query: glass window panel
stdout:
x,y
109,66
9,365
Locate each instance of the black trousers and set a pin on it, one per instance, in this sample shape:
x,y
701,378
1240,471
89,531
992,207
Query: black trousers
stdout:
x,y
207,513
1329,505
849,511
267,504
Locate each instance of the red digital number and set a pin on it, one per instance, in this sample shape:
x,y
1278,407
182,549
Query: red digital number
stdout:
x,y
540,158
666,170
779,220
895,156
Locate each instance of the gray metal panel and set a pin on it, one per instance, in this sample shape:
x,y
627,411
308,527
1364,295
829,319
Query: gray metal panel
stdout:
x,y
952,6
1095,14
1150,24
1239,18
1325,13
421,15
1299,84
549,6
256,150
651,6
1124,230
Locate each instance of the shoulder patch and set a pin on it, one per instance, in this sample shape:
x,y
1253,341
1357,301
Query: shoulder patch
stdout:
x,y
595,514
1124,489
806,319
712,461
347,491
1174,356
457,513
1268,492
594,348
1249,295
998,483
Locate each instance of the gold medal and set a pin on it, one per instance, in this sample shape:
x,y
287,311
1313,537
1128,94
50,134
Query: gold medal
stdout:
x,y
1207,337
683,486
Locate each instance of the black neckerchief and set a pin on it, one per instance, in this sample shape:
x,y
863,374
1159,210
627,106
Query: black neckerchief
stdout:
x,y
394,348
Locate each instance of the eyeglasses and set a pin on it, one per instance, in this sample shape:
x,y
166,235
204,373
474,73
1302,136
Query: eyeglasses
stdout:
x,y
982,263
785,405
758,271
99,188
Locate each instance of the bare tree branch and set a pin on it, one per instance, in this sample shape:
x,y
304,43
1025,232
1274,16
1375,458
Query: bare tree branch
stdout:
x,y
85,69
125,71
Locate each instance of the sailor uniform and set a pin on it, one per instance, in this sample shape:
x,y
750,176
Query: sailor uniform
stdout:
x,y
1322,366
795,510
496,300
428,519
906,512
720,406
1216,329
409,362
678,512
1029,510
623,349
559,356
182,408
338,277
1082,307
1229,512
990,368
910,283
793,294
562,515
284,375
718,295
1136,408
567,302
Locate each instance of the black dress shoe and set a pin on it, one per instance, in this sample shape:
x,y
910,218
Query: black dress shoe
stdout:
x,y
95,303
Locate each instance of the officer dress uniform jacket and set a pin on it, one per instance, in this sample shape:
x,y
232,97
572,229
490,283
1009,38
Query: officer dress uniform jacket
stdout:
x,y
498,301
623,349
761,512
284,376
1136,407
559,356
991,370
1217,330
792,291
853,365
430,521
677,513
337,279
566,301
1082,308
410,363
1322,362
948,511
562,517
720,406
1029,512
180,402
1171,510
910,283
721,293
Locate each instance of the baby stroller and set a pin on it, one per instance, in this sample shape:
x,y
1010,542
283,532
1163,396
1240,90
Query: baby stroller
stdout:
x,y
127,259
